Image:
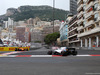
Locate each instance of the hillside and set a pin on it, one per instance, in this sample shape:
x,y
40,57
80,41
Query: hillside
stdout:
x,y
43,12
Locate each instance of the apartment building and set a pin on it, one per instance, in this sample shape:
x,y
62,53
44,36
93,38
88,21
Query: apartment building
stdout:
x,y
36,35
73,33
89,23
63,33
20,33
73,7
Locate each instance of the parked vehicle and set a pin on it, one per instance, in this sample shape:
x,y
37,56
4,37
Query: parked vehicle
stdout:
x,y
64,51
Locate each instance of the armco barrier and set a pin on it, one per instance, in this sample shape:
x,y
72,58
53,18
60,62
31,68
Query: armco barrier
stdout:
x,y
11,48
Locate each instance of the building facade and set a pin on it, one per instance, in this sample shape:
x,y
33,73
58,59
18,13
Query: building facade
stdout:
x,y
89,23
63,33
36,35
20,33
73,7
73,33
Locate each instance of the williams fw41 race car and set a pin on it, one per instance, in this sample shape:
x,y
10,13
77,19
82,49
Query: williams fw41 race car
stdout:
x,y
64,51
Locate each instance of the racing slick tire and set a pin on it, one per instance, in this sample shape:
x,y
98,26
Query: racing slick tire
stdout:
x,y
74,53
26,49
16,49
50,52
63,53
55,53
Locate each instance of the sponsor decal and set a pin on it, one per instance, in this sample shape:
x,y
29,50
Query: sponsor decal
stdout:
x,y
11,48
1,48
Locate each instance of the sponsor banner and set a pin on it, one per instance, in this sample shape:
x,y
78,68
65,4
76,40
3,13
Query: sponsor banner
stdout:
x,y
1,49
11,48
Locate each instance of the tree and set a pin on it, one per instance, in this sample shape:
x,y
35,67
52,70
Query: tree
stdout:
x,y
51,38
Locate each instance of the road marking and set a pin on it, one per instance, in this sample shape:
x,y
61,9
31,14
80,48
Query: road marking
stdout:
x,y
2,55
10,53
82,55
94,55
56,55
41,56
92,73
23,56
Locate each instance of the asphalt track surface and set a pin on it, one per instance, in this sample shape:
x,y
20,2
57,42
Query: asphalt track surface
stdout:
x,y
69,65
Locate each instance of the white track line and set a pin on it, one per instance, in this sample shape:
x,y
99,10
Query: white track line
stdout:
x,y
41,56
82,55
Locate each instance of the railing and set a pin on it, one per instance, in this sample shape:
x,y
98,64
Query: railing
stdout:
x,y
79,1
73,35
79,7
96,1
79,28
80,14
95,30
89,5
89,14
72,29
98,7
72,24
89,23
79,21
74,41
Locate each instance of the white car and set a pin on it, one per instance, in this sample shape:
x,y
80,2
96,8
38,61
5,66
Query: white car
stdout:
x,y
63,51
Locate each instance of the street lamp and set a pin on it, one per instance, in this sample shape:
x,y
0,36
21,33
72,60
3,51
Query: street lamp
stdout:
x,y
53,13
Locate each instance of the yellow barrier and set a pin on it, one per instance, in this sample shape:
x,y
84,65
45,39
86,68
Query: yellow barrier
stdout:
x,y
11,48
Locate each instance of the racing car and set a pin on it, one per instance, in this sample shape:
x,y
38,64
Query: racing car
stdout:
x,y
21,49
64,51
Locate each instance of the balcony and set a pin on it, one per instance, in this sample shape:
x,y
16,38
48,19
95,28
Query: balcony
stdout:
x,y
80,28
72,29
89,5
95,30
89,14
79,1
72,35
86,1
97,20
73,24
80,7
96,1
80,21
74,41
89,23
80,14
98,7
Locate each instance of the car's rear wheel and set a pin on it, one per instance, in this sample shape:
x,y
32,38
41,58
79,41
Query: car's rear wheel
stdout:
x,y
50,52
16,49
63,53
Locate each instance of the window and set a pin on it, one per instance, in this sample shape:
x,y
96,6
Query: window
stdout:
x,y
84,22
95,6
96,15
84,7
